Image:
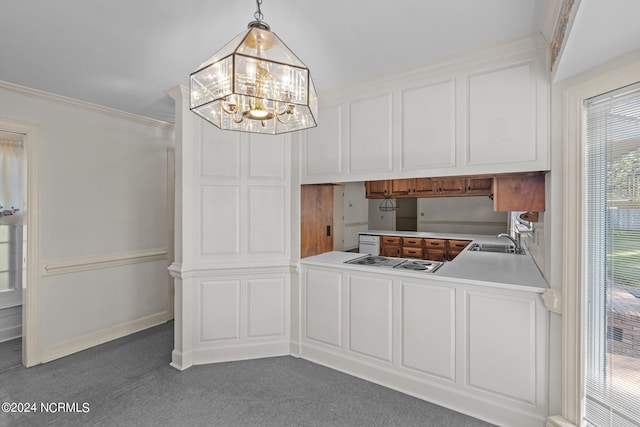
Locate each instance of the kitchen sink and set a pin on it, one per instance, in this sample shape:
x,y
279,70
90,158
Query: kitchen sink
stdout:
x,y
490,247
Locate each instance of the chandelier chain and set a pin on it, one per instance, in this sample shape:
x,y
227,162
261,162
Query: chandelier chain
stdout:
x,y
258,14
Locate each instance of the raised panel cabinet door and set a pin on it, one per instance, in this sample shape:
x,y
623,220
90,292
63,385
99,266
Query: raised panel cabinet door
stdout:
x,y
428,126
451,186
402,187
377,189
391,250
370,316
322,151
502,116
428,329
481,186
435,254
425,187
322,306
370,135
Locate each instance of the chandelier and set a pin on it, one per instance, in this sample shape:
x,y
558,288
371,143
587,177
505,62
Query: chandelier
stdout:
x,y
255,84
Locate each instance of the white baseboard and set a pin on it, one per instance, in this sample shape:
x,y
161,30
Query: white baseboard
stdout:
x,y
181,361
240,352
10,323
558,421
82,343
459,399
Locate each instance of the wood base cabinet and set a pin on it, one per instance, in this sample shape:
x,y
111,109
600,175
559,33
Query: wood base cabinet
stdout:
x,y
475,349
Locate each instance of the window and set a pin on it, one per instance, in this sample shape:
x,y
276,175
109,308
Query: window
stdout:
x,y
611,258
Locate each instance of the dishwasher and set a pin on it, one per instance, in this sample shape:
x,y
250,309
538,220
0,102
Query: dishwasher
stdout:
x,y
369,244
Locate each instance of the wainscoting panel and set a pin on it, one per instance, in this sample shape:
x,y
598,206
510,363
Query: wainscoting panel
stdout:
x,y
267,157
219,310
323,306
429,329
267,307
220,153
370,324
220,226
267,215
501,346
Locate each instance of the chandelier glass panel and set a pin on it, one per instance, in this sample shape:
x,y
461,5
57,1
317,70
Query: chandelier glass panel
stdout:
x,y
255,84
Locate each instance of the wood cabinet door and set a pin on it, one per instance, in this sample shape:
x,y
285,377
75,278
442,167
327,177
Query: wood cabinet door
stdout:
x,y
391,250
377,189
435,254
425,187
482,186
518,193
402,187
450,186
316,219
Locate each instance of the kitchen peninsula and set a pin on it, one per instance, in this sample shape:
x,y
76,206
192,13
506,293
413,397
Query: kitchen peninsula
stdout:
x,y
470,336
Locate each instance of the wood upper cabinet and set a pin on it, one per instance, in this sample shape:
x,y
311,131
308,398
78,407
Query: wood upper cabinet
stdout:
x,y
377,189
425,187
511,192
402,187
522,192
479,186
450,186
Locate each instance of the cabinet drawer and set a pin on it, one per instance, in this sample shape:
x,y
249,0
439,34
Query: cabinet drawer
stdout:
x,y
435,243
390,240
458,245
412,241
409,252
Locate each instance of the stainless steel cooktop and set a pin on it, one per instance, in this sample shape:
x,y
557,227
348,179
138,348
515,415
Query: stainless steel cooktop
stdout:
x,y
420,265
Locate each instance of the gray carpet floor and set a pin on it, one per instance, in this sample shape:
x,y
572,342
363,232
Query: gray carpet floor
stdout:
x,y
128,382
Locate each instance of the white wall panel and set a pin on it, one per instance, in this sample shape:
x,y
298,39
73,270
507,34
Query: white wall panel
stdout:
x,y
370,324
267,213
220,153
220,220
219,310
501,350
266,309
103,191
266,156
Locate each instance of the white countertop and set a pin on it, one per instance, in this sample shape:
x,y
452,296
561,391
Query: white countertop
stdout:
x,y
511,271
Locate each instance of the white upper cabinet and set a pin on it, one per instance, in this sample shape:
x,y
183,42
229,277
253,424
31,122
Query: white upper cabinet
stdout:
x,y
370,138
502,116
428,126
462,118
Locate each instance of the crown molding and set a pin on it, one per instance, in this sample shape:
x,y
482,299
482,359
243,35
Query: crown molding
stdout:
x,y
550,21
36,93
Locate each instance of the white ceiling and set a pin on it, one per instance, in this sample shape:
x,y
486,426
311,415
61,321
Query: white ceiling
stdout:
x,y
125,54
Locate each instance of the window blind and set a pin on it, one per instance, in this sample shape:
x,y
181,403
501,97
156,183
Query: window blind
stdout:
x,y
611,258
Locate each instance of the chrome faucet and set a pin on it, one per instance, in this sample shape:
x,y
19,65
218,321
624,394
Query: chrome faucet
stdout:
x,y
516,242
